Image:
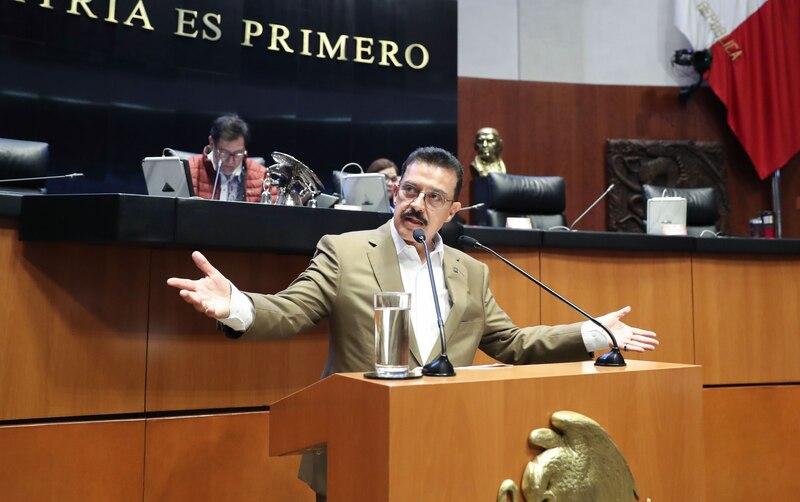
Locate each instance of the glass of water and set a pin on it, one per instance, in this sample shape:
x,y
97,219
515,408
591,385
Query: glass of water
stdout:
x,y
392,326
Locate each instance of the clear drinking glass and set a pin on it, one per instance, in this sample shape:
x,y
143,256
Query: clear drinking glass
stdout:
x,y
392,326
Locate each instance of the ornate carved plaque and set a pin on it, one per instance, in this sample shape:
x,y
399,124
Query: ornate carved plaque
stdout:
x,y
678,164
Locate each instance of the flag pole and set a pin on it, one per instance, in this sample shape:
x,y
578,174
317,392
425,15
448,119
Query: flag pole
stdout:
x,y
776,202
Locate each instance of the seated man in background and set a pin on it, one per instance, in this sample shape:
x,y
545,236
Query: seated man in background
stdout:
x,y
389,169
223,170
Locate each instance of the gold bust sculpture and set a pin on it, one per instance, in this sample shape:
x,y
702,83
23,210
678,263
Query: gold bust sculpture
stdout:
x,y
488,145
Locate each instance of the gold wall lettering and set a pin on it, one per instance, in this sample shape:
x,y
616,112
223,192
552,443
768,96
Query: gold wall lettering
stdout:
x,y
309,43
187,20
45,3
318,44
138,12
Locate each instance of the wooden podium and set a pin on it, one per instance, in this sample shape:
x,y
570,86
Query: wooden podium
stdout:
x,y
459,438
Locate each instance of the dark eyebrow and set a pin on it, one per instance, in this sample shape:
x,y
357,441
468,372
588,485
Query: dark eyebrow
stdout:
x,y
436,191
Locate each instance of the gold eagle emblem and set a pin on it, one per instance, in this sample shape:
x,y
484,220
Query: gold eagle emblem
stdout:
x,y
579,463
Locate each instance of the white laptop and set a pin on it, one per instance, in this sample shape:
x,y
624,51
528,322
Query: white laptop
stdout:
x,y
666,216
167,177
367,191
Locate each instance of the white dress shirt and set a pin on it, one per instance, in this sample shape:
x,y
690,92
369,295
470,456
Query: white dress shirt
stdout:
x,y
417,281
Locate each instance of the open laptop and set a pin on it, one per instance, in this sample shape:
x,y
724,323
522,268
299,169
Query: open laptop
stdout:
x,y
666,216
366,190
167,177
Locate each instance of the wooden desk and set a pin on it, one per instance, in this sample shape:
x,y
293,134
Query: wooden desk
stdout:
x,y
458,438
89,329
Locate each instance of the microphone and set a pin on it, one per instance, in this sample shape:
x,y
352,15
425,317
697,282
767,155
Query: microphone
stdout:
x,y
216,180
41,178
579,218
612,358
474,206
602,196
440,366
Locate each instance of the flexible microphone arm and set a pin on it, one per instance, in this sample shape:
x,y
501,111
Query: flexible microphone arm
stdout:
x,y
440,366
216,180
602,196
41,178
612,358
474,206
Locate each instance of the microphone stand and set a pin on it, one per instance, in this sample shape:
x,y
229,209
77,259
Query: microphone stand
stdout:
x,y
42,178
474,206
612,358
441,366
610,187
216,180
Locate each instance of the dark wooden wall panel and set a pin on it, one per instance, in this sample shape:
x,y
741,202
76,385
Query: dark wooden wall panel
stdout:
x,y
752,437
192,365
72,462
218,457
73,327
494,102
746,318
601,282
561,129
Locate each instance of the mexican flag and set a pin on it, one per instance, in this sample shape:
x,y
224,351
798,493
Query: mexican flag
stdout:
x,y
755,70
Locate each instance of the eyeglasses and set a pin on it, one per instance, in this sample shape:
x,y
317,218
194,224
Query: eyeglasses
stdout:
x,y
225,155
434,200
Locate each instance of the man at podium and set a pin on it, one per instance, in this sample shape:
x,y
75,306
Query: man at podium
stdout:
x,y
348,269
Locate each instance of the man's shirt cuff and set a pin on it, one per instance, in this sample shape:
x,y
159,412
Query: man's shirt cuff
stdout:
x,y
242,311
594,338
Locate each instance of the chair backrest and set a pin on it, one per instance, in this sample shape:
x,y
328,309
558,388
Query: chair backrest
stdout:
x,y
23,159
702,212
542,199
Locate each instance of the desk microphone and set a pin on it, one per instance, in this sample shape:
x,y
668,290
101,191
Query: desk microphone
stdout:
x,y
579,218
440,366
612,358
42,178
602,196
474,206
216,180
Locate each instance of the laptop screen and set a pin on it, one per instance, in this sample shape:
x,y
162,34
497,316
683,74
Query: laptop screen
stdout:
x,y
167,177
663,211
366,190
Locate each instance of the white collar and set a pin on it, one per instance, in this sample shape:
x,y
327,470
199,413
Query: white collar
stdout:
x,y
400,244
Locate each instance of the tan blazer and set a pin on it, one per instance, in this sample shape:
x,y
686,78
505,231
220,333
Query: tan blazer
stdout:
x,y
339,283
345,272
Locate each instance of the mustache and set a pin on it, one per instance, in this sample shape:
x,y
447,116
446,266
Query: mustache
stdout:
x,y
417,215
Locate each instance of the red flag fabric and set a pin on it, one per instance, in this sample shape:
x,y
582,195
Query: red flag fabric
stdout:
x,y
755,70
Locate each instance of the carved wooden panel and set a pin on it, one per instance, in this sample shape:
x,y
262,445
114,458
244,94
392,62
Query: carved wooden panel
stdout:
x,y
678,164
